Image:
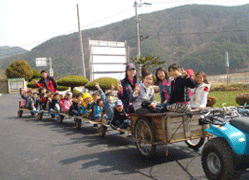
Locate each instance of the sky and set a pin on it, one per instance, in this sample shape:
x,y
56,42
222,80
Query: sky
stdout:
x,y
28,23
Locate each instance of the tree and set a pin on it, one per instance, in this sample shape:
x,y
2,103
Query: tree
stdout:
x,y
72,81
147,62
19,69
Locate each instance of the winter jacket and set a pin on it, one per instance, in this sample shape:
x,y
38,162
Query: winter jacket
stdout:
x,y
145,94
66,106
49,84
126,95
75,109
92,106
199,97
118,118
108,105
179,89
165,90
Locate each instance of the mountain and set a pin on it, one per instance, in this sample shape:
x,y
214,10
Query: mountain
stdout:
x,y
196,36
6,51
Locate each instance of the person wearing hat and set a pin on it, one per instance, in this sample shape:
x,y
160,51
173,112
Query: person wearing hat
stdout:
x,y
126,87
46,81
120,119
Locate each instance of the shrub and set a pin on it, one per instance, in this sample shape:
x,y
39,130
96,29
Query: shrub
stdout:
x,y
105,83
211,100
72,81
243,98
62,88
19,69
32,85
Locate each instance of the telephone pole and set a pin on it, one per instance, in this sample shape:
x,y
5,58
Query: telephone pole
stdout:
x,y
81,43
138,31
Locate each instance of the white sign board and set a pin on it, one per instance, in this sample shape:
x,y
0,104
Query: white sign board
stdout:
x,y
113,75
41,62
107,59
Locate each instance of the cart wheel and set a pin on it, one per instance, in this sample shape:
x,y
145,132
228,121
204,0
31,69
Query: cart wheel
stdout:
x,y
39,116
78,123
218,160
19,113
195,143
60,118
145,136
102,130
52,116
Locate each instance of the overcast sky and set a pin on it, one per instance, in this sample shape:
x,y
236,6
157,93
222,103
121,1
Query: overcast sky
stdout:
x,y
27,23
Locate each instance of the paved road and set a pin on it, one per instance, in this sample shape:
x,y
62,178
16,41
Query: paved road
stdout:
x,y
32,149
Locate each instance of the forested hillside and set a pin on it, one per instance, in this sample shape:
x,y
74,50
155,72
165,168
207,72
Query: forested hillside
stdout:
x,y
196,36
6,51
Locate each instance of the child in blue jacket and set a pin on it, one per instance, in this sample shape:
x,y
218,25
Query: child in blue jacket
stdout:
x,y
108,102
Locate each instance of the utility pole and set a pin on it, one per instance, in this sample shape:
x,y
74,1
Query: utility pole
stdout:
x,y
138,33
81,43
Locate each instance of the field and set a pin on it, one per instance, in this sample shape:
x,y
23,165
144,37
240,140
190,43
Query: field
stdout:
x,y
227,97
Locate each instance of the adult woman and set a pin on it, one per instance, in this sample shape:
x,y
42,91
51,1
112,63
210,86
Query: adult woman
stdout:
x,y
127,86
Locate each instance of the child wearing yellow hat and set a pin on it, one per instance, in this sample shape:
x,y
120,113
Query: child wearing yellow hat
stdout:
x,y
87,98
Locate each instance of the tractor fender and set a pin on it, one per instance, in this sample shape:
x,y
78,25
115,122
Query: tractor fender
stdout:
x,y
236,138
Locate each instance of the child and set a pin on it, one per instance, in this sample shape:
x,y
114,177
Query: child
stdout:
x,y
87,99
200,92
98,111
44,101
120,119
27,98
55,106
43,92
108,102
144,94
164,85
35,101
92,106
62,99
23,101
179,100
67,102
75,109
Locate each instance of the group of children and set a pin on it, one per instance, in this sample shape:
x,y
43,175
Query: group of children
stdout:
x,y
179,92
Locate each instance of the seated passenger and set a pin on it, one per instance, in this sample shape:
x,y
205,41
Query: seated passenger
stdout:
x,y
120,119
92,106
179,100
67,102
28,99
35,101
44,101
200,92
108,102
55,105
87,99
75,108
98,110
143,97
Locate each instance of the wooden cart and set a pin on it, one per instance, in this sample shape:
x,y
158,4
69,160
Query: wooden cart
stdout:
x,y
150,130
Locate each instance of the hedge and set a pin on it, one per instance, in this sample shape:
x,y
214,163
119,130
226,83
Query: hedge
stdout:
x,y
72,81
19,69
105,83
